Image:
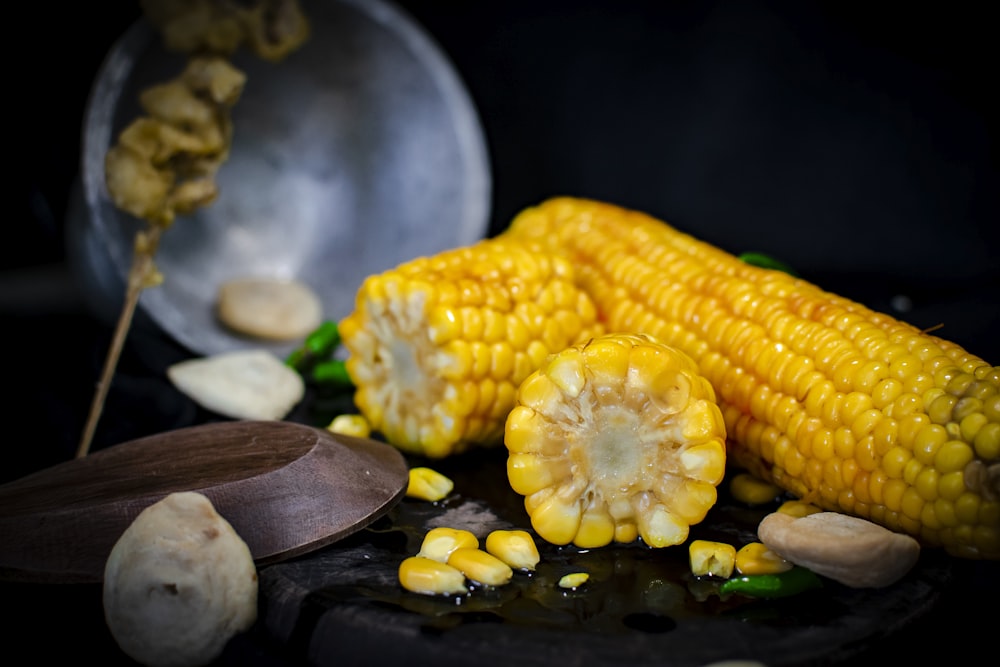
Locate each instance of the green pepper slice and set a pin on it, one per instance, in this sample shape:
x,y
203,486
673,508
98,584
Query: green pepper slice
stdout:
x,y
333,372
767,262
319,344
769,586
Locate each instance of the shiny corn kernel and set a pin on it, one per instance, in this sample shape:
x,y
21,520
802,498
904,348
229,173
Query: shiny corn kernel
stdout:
x,y
573,580
752,490
597,528
431,577
710,558
516,548
428,484
797,508
356,425
480,566
756,558
555,518
439,542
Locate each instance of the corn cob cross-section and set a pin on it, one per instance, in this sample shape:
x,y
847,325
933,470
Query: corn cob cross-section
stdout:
x,y
847,408
614,439
438,346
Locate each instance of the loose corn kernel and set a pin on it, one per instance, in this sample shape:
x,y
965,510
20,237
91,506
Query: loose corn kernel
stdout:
x,y
573,580
428,484
438,543
480,566
797,508
431,577
355,425
514,547
437,344
756,558
616,438
710,558
751,490
817,391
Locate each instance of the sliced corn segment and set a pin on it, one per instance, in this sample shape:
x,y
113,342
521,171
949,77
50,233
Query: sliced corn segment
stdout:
x,y
428,484
757,558
355,425
616,438
431,577
515,547
846,408
440,542
711,559
752,490
481,567
438,345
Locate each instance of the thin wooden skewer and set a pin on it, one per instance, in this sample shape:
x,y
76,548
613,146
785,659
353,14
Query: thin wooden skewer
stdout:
x,y
141,275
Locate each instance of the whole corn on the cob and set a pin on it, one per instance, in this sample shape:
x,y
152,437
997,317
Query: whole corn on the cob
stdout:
x,y
438,346
616,438
849,409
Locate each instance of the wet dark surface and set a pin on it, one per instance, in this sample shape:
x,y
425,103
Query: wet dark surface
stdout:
x,y
343,605
859,147
638,606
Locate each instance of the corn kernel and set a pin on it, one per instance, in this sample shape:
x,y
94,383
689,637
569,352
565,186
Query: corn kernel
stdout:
x,y
573,580
709,558
428,484
514,547
439,542
356,425
480,566
431,577
798,508
752,490
756,558
597,528
528,473
556,520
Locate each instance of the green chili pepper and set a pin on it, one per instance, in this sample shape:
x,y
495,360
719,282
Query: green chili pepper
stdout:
x,y
767,262
783,584
319,344
332,372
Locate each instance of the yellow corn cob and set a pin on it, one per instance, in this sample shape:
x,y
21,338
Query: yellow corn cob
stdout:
x,y
614,439
438,346
849,409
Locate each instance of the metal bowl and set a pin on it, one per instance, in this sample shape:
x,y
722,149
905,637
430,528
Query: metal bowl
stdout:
x,y
359,151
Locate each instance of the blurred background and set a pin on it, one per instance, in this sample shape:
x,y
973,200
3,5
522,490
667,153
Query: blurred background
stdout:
x,y
857,145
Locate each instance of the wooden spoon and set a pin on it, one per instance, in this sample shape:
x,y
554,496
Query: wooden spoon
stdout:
x,y
286,489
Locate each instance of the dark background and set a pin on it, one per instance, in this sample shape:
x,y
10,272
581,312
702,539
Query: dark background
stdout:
x,y
858,145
